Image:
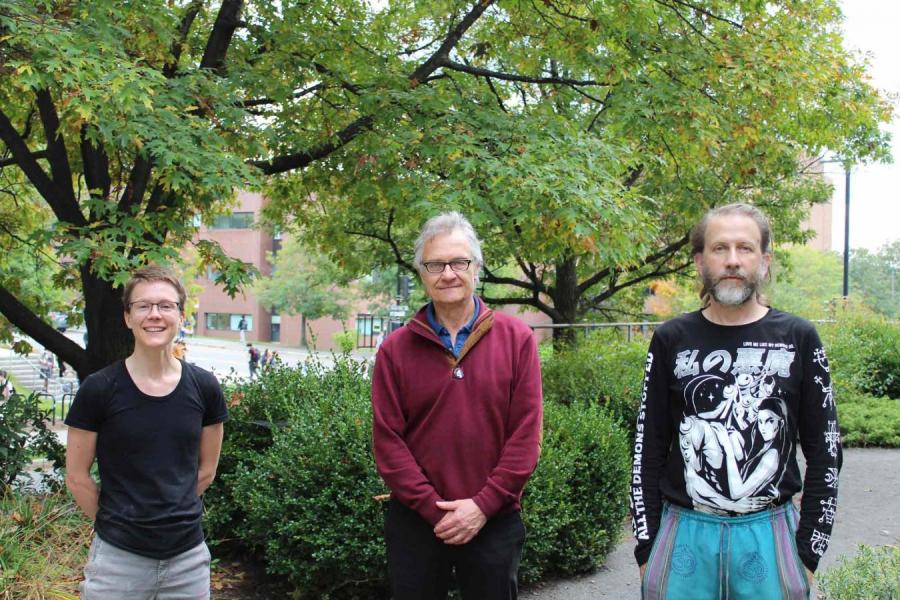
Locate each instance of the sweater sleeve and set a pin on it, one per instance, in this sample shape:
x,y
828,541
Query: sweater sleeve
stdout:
x,y
519,455
821,443
651,448
396,464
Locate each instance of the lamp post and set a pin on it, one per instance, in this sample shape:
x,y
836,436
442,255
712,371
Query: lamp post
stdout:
x,y
846,286
846,291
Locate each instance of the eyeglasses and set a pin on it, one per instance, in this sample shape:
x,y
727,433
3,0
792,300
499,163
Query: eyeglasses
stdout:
x,y
438,266
166,307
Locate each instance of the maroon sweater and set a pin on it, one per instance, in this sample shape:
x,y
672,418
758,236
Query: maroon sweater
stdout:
x,y
439,436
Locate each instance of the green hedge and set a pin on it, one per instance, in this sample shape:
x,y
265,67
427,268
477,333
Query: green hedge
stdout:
x,y
299,494
601,369
576,501
866,420
864,352
308,498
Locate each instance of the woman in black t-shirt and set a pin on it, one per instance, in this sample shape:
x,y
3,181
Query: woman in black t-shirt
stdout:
x,y
154,424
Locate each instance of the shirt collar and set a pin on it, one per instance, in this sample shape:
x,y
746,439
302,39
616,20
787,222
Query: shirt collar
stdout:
x,y
440,329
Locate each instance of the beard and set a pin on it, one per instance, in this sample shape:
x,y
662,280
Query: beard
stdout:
x,y
732,292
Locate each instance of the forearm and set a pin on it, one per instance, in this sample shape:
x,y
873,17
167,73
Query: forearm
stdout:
x,y
205,478
86,494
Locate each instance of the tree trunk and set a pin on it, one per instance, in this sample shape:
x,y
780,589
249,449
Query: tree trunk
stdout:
x,y
108,339
565,301
303,343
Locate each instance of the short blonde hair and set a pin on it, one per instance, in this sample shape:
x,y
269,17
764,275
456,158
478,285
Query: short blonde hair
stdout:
x,y
149,274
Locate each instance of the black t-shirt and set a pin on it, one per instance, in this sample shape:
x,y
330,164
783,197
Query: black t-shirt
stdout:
x,y
721,411
148,452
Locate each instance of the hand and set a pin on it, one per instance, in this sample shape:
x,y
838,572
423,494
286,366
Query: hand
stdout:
x,y
462,522
809,577
643,570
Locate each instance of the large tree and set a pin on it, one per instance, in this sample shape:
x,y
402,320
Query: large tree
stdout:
x,y
577,135
584,175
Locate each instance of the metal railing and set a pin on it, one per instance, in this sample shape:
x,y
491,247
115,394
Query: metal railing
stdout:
x,y
629,328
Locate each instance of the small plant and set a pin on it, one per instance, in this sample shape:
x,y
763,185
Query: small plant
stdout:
x,y
872,573
345,341
24,435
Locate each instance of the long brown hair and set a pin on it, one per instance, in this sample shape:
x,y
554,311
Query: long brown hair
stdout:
x,y
698,238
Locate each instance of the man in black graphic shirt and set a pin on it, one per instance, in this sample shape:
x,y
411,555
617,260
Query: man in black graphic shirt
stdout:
x,y
728,392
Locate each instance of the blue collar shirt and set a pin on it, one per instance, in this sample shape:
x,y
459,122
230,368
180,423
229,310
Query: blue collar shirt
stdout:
x,y
442,332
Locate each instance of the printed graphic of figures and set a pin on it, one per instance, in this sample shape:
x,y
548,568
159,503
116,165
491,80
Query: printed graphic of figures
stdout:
x,y
733,437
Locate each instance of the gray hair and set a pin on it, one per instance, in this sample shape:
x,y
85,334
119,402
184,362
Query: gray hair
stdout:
x,y
446,223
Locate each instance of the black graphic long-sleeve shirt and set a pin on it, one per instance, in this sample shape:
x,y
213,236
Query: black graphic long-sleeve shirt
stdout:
x,y
722,408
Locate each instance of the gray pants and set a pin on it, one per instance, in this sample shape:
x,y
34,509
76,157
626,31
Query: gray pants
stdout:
x,y
113,574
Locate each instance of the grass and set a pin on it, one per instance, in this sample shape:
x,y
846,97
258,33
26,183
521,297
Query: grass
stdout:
x,y
43,546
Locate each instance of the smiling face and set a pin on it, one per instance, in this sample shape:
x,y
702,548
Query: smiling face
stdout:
x,y
449,288
732,264
154,329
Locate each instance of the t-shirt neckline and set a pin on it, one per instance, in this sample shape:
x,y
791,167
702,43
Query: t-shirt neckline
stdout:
x,y
704,319
149,396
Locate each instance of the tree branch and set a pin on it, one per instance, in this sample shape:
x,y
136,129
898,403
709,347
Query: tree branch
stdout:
x,y
668,251
388,239
137,185
489,277
455,66
12,161
613,287
264,101
24,158
21,316
220,37
302,158
705,12
96,167
183,30
60,171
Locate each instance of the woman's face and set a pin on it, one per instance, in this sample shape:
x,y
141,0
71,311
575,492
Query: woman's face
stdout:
x,y
769,423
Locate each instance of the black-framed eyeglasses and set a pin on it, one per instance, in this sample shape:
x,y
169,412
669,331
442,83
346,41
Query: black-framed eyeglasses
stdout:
x,y
166,307
438,266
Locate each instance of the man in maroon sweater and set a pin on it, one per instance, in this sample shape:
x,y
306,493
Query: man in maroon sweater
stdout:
x,y
456,399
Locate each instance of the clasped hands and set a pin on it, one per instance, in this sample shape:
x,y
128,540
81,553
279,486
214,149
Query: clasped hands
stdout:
x,y
462,522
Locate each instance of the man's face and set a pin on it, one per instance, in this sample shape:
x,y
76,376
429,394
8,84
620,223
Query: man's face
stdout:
x,y
449,287
732,264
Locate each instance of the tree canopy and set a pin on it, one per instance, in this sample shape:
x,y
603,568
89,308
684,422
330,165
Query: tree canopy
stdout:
x,y
580,137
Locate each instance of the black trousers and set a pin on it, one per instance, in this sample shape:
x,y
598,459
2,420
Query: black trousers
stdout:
x,y
421,566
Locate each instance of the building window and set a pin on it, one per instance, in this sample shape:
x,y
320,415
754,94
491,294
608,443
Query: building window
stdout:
x,y
227,321
237,220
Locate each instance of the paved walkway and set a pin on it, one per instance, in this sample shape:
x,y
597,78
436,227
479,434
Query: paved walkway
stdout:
x,y
867,514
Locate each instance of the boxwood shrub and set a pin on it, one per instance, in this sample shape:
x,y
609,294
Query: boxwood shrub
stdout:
x,y
864,352
575,502
299,479
601,369
867,420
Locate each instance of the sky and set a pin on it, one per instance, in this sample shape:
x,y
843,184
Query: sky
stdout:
x,y
871,26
